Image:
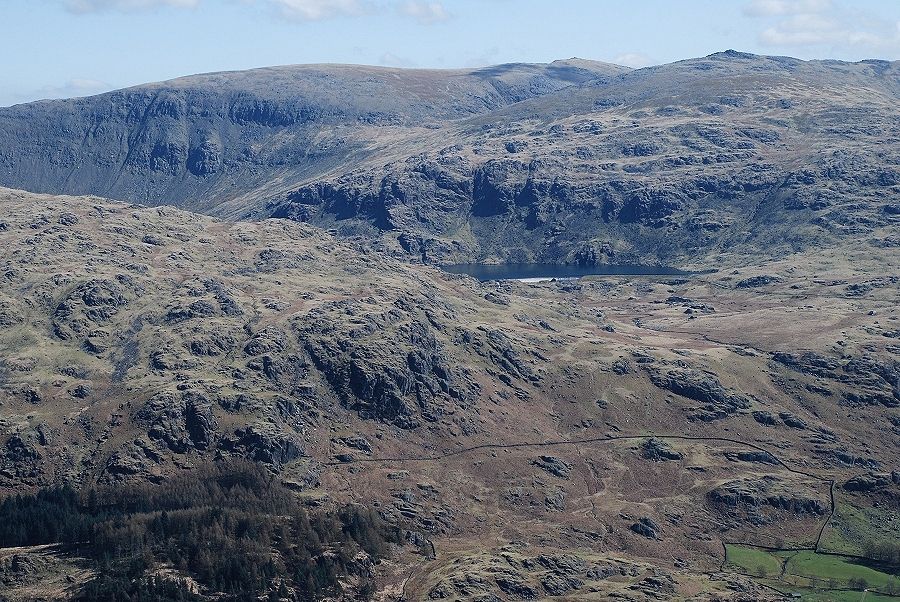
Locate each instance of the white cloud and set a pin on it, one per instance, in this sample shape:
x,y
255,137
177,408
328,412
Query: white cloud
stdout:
x,y
314,10
633,59
73,88
389,59
425,12
823,24
811,32
774,8
92,6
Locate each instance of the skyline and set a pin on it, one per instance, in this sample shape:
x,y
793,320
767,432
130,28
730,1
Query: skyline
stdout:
x,y
65,48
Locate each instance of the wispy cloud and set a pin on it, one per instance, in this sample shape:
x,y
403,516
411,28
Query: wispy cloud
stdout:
x,y
72,88
633,59
314,10
774,8
425,12
94,6
823,24
489,56
389,59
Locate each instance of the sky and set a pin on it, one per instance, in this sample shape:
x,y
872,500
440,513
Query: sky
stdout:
x,y
65,48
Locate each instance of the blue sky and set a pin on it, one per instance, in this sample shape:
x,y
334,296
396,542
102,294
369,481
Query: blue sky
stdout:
x,y
62,48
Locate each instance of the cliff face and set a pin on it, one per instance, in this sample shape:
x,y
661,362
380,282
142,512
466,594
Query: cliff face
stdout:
x,y
201,141
572,161
728,153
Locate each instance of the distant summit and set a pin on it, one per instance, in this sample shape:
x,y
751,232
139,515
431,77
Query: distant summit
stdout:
x,y
571,161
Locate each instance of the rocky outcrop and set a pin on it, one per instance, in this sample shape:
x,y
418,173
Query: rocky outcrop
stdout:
x,y
793,421
264,443
808,363
658,451
137,458
763,499
872,482
525,164
500,350
510,576
705,388
869,379
515,586
392,368
553,465
355,442
20,458
22,568
90,305
647,527
756,281
10,315
765,418
179,422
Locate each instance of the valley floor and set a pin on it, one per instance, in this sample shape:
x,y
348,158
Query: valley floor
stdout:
x,y
729,435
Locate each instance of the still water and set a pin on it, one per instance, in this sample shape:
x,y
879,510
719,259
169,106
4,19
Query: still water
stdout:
x,y
546,271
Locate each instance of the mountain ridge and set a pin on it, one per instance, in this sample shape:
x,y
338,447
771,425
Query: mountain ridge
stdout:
x,y
569,161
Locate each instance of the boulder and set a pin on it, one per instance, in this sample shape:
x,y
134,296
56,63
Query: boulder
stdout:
x,y
658,451
764,497
765,418
757,281
647,527
553,465
869,482
717,401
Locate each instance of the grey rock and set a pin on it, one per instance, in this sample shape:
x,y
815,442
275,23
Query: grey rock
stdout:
x,y
81,391
705,388
356,442
867,483
22,568
752,495
765,418
808,363
557,585
515,586
755,456
756,281
647,527
793,421
658,450
555,466
263,444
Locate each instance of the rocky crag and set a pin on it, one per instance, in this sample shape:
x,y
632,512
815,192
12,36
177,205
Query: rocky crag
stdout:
x,y
574,161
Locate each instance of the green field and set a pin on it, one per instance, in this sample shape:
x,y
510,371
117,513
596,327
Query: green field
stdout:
x,y
809,595
809,565
853,527
815,576
753,561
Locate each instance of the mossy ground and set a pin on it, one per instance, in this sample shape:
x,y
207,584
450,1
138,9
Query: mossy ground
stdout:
x,y
854,526
819,576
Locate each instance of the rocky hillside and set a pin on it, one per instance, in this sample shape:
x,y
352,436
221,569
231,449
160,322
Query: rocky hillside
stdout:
x,y
606,435
573,161
201,141
131,335
677,163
